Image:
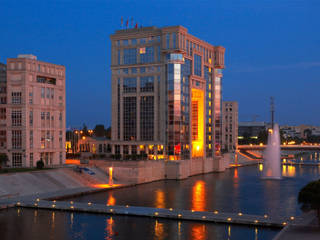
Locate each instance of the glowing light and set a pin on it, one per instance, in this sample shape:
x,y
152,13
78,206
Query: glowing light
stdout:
x,y
105,185
111,210
256,221
54,201
179,215
38,200
229,219
260,167
18,203
292,218
111,200
89,203
170,209
215,212
71,202
197,123
156,213
83,138
36,204
240,214
127,206
110,176
203,217
265,216
53,205
72,207
284,223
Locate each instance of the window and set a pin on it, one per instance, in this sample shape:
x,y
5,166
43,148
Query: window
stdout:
x,y
31,139
125,42
147,84
133,70
125,70
16,117
48,115
60,158
43,115
197,65
134,41
3,113
174,40
16,160
42,92
60,139
130,56
47,80
119,57
129,85
129,118
147,56
31,118
3,100
52,93
142,70
16,139
31,159
48,93
30,97
16,97
146,118
142,41
168,40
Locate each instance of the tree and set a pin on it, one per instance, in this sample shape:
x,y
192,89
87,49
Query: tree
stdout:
x,y
99,130
108,133
309,197
3,159
85,131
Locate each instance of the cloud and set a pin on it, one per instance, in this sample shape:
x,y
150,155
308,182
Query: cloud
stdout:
x,y
301,65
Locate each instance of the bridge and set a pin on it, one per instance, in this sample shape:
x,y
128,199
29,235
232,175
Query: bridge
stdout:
x,y
254,152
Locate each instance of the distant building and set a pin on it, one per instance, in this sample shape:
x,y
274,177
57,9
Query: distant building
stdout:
x,y
32,122
300,131
94,145
166,93
229,126
251,129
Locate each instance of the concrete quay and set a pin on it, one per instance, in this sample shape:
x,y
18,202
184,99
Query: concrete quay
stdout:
x,y
177,214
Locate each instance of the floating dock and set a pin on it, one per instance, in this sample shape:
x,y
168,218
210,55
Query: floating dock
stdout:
x,y
214,216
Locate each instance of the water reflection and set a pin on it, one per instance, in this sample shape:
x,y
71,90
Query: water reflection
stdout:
x,y
198,232
199,196
109,229
111,200
160,199
158,231
288,171
229,232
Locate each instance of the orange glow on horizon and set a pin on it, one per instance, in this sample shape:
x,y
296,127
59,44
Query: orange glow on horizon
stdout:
x,y
197,110
198,196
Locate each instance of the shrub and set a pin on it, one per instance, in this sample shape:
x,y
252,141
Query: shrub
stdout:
x,y
40,164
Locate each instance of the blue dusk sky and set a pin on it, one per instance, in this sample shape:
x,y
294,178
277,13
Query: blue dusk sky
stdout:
x,y
272,49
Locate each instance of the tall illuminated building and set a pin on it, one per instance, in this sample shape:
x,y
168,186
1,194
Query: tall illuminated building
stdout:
x,y
166,93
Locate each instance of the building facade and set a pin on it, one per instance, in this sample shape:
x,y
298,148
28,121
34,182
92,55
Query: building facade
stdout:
x,y
229,126
166,93
34,119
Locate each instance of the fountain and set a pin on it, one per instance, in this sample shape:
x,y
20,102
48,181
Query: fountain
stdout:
x,y
271,156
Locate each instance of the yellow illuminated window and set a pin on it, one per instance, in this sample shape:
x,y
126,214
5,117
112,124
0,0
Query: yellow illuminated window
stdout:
x,y
210,69
209,95
210,60
209,111
209,120
209,137
210,146
142,50
209,129
209,86
209,103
